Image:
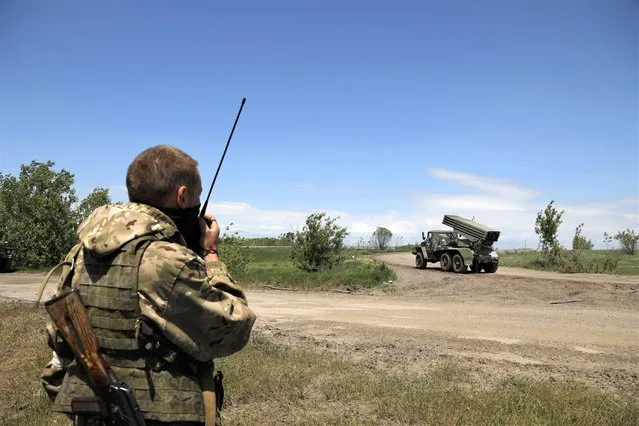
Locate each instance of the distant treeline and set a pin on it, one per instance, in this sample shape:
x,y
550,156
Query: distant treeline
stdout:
x,y
281,241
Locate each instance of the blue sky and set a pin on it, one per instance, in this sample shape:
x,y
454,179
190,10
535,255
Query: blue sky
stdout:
x,y
384,113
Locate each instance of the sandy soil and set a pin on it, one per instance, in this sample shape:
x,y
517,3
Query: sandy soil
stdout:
x,y
516,321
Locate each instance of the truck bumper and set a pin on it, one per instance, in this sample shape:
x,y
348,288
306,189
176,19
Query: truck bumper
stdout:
x,y
487,259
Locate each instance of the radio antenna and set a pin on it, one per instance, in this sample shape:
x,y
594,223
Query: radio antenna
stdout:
x,y
206,203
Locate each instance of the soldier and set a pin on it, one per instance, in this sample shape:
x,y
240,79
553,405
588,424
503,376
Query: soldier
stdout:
x,y
158,296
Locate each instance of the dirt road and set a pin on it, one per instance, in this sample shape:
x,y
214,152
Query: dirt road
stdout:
x,y
583,327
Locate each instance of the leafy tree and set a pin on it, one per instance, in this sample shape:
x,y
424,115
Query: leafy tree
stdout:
x,y
319,244
381,238
546,226
98,197
579,242
628,240
287,238
36,217
235,251
39,213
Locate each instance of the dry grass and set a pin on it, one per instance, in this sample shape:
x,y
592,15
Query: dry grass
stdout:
x,y
271,384
23,352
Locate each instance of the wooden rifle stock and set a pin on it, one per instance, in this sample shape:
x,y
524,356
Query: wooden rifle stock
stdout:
x,y
70,317
72,320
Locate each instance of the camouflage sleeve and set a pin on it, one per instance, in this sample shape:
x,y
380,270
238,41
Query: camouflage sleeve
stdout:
x,y
197,305
219,275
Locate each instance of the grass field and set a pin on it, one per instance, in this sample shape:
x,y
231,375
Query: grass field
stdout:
x,y
594,261
267,383
272,266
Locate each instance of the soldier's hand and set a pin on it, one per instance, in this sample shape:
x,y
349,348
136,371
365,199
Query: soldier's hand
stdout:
x,y
210,234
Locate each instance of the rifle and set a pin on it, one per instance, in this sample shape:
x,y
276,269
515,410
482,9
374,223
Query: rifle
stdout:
x,y
206,203
119,406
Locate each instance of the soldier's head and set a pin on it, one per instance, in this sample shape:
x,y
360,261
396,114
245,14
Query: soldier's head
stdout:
x,y
164,176
167,178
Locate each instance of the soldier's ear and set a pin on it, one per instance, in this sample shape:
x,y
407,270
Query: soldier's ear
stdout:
x,y
182,200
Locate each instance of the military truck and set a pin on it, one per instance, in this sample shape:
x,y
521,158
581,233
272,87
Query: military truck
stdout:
x,y
6,260
468,244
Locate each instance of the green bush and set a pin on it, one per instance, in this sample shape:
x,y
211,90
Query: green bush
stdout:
x,y
571,261
273,266
628,240
319,244
579,242
575,262
235,252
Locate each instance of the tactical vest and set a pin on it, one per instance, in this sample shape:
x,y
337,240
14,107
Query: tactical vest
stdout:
x,y
167,391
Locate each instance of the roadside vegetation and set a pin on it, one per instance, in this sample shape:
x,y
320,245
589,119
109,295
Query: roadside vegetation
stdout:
x,y
581,258
267,383
593,261
313,258
272,266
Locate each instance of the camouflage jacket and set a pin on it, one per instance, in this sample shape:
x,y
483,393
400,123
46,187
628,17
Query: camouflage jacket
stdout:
x,y
196,304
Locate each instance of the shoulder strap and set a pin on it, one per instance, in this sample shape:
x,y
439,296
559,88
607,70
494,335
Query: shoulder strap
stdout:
x,y
66,280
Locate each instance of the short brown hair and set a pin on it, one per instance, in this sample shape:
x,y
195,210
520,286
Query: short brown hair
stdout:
x,y
157,171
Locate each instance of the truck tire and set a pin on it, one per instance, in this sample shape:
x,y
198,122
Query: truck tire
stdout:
x,y
458,264
420,262
445,262
490,268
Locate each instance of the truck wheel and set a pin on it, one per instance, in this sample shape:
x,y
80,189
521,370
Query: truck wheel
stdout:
x,y
445,262
420,263
458,264
490,268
